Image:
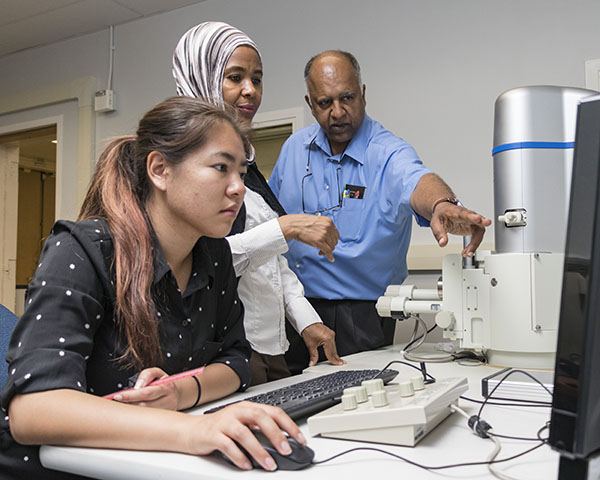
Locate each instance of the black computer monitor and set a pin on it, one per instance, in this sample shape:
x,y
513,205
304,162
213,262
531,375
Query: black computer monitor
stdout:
x,y
575,417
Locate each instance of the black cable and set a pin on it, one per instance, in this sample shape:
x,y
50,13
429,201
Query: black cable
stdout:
x,y
513,402
476,419
490,396
427,377
480,358
508,437
425,467
539,432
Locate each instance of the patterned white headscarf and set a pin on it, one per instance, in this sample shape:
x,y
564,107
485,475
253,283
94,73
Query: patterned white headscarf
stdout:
x,y
201,56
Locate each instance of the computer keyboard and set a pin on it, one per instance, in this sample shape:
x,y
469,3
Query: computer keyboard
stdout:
x,y
305,398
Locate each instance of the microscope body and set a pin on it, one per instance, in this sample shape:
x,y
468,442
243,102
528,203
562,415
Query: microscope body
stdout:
x,y
507,302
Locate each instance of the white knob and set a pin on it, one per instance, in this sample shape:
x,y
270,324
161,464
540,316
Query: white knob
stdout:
x,y
418,383
406,389
373,385
444,319
349,402
400,291
380,398
359,392
513,219
384,306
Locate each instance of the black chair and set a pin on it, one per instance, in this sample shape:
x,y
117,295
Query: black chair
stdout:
x,y
8,320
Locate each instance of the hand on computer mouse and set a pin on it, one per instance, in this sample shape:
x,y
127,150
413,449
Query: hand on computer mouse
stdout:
x,y
300,456
230,428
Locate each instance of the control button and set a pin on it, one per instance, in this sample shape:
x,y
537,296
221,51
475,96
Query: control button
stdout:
x,y
359,392
418,383
373,385
516,218
406,389
349,402
380,398
444,319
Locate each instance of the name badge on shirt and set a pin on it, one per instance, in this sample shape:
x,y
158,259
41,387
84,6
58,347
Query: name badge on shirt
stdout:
x,y
354,191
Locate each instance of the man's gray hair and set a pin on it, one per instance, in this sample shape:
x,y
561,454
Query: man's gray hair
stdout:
x,y
340,53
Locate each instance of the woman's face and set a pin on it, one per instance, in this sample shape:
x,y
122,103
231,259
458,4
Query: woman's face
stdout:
x,y
242,82
204,192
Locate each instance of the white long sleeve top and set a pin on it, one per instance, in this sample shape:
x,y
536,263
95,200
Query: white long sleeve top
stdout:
x,y
269,289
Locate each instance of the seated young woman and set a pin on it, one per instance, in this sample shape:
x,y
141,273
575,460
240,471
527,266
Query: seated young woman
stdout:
x,y
141,286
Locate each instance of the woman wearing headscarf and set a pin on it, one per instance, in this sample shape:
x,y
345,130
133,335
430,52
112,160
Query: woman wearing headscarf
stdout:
x,y
219,63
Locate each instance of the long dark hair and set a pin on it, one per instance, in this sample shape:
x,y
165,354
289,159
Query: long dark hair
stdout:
x,y
118,192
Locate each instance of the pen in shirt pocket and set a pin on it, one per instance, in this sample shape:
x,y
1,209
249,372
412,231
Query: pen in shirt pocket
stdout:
x,y
159,381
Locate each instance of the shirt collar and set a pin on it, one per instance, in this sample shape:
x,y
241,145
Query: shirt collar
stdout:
x,y
357,147
203,270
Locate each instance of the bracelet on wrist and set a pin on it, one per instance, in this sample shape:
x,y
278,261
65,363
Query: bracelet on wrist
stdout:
x,y
452,200
199,392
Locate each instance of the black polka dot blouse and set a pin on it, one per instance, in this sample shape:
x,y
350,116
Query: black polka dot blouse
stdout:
x,y
68,337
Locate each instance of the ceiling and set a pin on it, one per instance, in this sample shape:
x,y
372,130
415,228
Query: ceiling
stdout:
x,y
32,23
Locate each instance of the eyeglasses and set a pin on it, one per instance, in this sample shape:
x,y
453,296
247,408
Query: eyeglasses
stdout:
x,y
308,176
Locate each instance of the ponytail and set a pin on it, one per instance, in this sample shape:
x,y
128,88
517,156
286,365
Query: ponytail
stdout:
x,y
112,196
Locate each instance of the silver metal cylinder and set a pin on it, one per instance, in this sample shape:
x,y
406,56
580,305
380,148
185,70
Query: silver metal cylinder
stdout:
x,y
534,131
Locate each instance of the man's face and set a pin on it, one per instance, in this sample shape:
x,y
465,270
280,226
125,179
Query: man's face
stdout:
x,y
336,100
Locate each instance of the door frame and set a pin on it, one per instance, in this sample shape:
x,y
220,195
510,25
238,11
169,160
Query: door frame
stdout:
x,y
9,188
82,90
274,118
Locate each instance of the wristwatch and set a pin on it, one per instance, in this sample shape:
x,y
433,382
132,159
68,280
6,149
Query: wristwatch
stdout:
x,y
452,200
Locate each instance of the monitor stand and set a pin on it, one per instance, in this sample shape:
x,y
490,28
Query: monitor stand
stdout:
x,y
580,468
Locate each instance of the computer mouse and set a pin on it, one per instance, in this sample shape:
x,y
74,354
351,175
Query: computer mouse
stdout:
x,y
300,457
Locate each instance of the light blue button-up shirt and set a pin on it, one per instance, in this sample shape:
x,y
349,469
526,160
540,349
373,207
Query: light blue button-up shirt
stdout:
x,y
374,231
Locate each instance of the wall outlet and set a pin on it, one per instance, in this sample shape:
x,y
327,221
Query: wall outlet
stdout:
x,y
104,101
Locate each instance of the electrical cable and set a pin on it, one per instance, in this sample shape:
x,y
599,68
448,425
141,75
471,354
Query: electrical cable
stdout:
x,y
514,402
414,334
425,467
484,430
492,468
520,403
427,378
491,394
416,343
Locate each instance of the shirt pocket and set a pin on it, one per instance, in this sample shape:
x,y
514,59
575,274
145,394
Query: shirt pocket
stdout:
x,y
349,219
208,352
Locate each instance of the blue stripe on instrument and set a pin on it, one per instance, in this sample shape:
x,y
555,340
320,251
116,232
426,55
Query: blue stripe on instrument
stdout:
x,y
518,145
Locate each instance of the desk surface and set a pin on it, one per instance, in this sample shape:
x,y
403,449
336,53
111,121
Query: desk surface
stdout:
x,y
450,443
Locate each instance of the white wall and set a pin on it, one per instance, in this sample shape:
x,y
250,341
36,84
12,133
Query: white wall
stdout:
x,y
433,68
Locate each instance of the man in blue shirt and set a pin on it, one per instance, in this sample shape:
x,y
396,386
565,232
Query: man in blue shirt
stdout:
x,y
371,183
